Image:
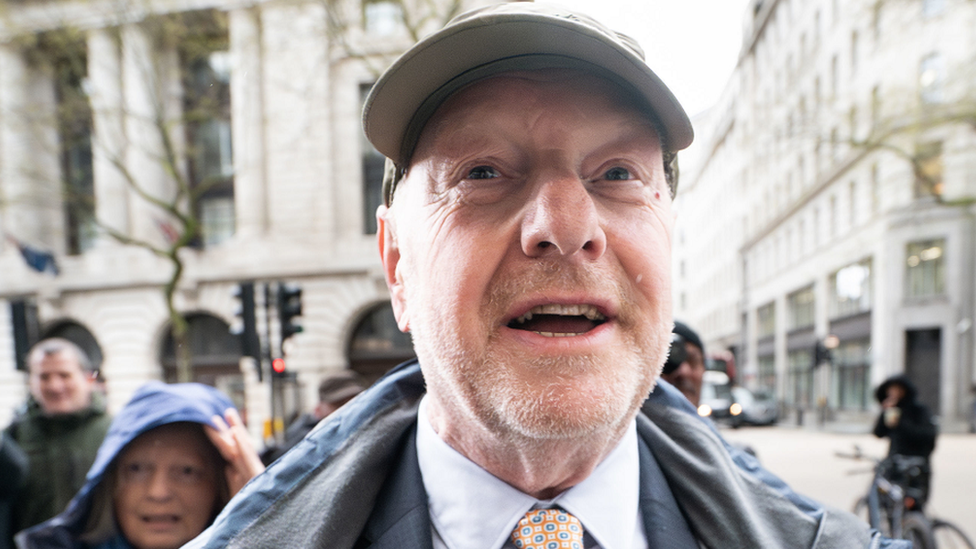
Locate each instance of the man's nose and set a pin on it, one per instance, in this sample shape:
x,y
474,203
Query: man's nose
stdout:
x,y
562,220
54,385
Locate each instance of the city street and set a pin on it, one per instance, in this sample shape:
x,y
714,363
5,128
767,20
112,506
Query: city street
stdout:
x,y
805,459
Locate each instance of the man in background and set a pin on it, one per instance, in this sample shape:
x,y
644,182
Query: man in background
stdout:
x,y
64,423
910,427
685,366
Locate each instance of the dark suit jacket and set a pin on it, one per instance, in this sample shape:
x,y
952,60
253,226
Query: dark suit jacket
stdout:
x,y
401,518
355,482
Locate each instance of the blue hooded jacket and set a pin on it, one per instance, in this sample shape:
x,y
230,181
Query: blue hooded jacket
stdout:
x,y
152,405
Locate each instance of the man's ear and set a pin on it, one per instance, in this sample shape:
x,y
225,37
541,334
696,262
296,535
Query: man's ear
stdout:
x,y
390,256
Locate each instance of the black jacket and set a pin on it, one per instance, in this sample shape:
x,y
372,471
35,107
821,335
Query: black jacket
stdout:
x,y
915,432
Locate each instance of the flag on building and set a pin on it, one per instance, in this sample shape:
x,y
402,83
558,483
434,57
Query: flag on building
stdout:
x,y
40,260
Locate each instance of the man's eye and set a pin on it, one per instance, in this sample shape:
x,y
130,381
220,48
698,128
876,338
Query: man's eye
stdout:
x,y
617,174
483,172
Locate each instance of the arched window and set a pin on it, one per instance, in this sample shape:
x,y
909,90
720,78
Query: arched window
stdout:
x,y
377,345
80,336
215,355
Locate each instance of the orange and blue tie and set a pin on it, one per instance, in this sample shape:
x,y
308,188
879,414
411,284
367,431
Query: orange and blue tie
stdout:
x,y
548,529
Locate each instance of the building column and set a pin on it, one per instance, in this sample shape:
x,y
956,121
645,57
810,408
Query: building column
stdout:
x,y
145,119
108,137
247,124
30,172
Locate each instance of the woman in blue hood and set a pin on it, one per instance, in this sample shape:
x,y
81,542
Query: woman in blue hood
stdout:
x,y
173,457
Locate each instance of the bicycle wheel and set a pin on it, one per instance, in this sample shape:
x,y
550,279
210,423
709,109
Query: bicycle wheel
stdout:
x,y
949,536
917,529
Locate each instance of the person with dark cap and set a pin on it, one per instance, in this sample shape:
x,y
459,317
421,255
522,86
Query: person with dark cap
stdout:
x,y
685,366
334,391
912,431
526,244
173,456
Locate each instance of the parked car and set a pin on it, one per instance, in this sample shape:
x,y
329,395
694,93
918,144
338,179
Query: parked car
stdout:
x,y
716,396
754,409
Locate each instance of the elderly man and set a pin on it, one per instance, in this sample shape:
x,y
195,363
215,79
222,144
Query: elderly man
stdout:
x,y
60,431
526,244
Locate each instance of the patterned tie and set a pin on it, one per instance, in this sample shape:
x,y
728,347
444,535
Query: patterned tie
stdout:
x,y
548,529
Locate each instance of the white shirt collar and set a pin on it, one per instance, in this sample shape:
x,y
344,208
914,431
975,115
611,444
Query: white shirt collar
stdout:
x,y
472,509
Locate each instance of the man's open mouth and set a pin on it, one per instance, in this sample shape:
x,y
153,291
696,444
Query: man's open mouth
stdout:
x,y
559,320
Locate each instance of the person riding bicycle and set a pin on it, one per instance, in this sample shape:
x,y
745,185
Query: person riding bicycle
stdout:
x,y
912,431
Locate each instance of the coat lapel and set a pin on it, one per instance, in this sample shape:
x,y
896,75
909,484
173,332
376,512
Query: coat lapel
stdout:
x,y
401,517
665,526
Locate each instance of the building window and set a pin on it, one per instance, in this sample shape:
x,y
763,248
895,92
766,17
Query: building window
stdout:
x,y
767,374
876,15
767,320
851,362
381,17
832,212
816,29
217,219
931,78
875,189
925,268
206,67
373,165
850,290
800,381
815,227
834,76
377,345
875,107
66,56
800,305
928,170
852,204
816,95
834,145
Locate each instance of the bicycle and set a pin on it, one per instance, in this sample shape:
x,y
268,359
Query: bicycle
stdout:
x,y
889,506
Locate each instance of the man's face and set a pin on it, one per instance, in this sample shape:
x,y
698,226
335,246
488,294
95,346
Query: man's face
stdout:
x,y
687,378
59,385
895,393
528,252
166,487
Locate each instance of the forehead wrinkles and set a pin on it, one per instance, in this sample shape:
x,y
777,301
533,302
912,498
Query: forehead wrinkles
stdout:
x,y
533,96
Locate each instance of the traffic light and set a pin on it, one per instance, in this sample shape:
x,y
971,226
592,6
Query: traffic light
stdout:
x,y
821,354
248,330
278,368
289,307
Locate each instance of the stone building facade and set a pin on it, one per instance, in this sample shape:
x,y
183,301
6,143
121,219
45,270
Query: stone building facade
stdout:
x,y
829,200
291,184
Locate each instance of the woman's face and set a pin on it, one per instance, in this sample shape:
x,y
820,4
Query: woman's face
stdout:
x,y
166,486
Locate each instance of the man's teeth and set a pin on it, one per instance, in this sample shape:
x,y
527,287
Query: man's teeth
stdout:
x,y
589,311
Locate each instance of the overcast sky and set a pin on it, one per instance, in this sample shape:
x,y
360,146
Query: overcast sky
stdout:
x,y
692,45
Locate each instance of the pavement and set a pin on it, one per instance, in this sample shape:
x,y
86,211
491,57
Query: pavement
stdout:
x,y
805,458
